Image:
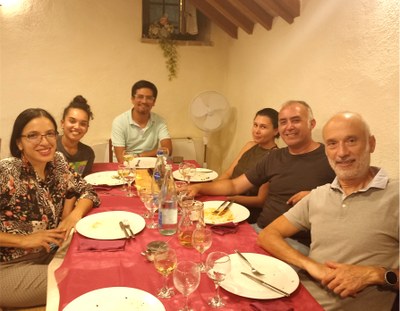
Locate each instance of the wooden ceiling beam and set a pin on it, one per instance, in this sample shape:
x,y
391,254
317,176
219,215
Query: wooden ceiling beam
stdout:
x,y
277,9
254,11
233,14
216,17
292,6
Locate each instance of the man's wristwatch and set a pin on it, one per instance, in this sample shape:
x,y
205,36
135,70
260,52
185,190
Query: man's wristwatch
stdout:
x,y
391,278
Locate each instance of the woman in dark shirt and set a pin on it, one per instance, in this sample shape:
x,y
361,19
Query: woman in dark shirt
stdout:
x,y
264,132
75,124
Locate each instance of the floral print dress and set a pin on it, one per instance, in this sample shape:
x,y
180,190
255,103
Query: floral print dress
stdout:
x,y
29,204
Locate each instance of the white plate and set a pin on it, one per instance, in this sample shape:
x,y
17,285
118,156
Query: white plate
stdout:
x,y
239,212
145,162
201,175
116,298
105,225
109,178
277,273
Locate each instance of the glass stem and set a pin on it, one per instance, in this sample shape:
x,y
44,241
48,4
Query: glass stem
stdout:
x,y
186,307
217,291
165,282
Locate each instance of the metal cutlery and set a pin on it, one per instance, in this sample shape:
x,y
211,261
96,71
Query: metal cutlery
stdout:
x,y
261,282
121,224
205,171
219,207
137,163
225,208
253,270
127,226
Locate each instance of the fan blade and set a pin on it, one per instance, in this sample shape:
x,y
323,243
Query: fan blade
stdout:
x,y
199,108
212,122
219,104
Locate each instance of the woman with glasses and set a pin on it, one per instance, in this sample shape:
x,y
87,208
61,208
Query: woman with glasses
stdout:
x,y
33,185
75,124
264,132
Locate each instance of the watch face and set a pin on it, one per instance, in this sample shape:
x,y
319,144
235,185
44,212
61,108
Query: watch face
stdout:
x,y
391,277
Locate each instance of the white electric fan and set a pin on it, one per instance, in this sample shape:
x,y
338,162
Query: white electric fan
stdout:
x,y
209,111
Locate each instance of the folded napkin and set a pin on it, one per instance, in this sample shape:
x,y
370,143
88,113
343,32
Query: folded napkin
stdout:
x,y
225,228
277,306
102,188
91,245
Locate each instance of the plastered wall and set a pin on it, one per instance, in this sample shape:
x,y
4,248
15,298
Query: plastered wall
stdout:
x,y
338,55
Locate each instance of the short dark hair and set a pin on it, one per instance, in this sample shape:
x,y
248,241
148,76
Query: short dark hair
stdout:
x,y
272,114
144,84
79,102
21,121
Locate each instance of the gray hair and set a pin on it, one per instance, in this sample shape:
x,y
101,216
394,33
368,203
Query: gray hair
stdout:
x,y
303,103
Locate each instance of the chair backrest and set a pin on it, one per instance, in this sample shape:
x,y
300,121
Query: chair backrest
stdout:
x,y
184,147
111,152
103,152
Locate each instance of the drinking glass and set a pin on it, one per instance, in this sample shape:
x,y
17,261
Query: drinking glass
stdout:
x,y
144,194
121,172
201,241
165,262
218,265
186,279
128,159
181,190
151,204
187,170
129,175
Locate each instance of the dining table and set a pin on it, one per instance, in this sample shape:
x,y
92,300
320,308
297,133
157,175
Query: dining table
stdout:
x,y
120,263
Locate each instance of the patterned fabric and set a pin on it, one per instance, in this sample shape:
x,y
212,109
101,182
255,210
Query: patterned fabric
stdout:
x,y
80,162
29,204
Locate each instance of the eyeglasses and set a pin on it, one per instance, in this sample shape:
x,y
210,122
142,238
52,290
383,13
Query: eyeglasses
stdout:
x,y
36,137
146,97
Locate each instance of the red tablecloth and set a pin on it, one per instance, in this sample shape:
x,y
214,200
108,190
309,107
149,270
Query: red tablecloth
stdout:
x,y
85,271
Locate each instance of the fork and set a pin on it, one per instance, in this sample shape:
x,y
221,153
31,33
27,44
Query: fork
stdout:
x,y
127,226
137,163
253,270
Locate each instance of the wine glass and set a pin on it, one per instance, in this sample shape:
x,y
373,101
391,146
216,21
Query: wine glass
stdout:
x,y
186,279
187,170
201,241
128,159
165,262
144,194
218,265
121,172
129,175
151,204
181,189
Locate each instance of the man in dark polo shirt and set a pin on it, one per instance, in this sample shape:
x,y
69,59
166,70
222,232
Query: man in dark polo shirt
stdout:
x,y
292,171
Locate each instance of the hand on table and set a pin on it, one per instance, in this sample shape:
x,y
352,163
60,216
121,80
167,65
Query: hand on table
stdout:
x,y
44,239
69,223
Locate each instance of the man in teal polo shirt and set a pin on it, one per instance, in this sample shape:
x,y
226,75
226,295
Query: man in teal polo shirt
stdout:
x,y
139,131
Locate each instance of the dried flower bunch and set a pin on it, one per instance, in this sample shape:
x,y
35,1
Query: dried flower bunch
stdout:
x,y
163,31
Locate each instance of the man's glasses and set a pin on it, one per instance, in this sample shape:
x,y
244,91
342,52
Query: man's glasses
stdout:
x,y
36,137
146,97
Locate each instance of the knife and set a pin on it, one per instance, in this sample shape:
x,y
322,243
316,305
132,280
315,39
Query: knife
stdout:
x,y
217,210
204,170
261,282
224,209
124,229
